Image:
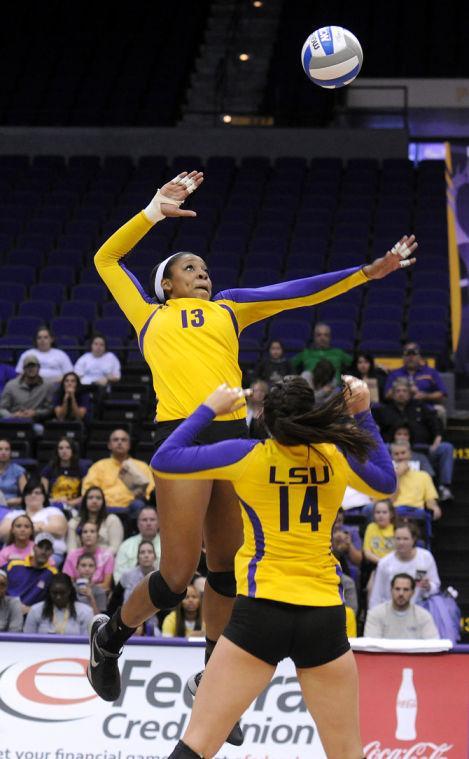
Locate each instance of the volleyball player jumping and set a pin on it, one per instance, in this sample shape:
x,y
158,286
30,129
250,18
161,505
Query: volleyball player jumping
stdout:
x,y
289,600
190,343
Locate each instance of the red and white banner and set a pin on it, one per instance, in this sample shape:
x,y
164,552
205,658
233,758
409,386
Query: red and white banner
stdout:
x,y
411,706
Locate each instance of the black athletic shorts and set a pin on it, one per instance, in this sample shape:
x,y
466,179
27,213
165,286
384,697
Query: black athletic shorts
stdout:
x,y
272,631
215,432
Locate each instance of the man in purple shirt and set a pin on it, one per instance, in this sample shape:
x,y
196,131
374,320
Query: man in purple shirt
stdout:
x,y
425,383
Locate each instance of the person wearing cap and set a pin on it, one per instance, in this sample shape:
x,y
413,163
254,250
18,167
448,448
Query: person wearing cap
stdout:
x,y
28,578
190,343
11,616
28,396
425,383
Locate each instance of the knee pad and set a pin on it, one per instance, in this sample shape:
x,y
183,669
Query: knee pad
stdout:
x,y
223,583
161,595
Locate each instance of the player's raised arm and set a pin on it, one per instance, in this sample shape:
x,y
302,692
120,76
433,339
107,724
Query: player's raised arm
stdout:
x,y
252,305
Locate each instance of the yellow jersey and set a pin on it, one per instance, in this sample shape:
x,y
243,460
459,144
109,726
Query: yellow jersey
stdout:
x,y
289,497
191,345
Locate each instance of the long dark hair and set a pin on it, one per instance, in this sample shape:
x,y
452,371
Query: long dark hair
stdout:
x,y
292,419
354,367
84,514
55,460
181,618
31,485
80,392
48,608
166,271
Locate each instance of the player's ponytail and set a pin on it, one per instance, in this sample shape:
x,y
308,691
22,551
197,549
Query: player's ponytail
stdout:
x,y
292,419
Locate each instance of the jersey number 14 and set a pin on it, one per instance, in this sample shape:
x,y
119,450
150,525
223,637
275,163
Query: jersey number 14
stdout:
x,y
309,510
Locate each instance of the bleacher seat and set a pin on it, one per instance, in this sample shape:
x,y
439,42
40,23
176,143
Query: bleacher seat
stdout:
x,y
75,326
42,309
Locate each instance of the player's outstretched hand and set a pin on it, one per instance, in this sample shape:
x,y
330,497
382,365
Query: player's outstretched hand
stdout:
x,y
225,400
179,189
399,257
356,393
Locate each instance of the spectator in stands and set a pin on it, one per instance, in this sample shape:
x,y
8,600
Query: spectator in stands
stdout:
x,y
50,519
305,361
186,619
146,563
324,381
379,534
93,509
99,366
11,616
425,383
87,591
276,366
102,556
71,401
414,488
351,604
60,613
54,363
346,546
148,529
418,460
255,404
126,482
409,558
28,578
399,618
7,373
63,475
28,397
424,427
20,542
12,476
364,368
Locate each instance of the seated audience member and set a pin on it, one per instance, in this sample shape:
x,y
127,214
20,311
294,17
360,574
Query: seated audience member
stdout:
x,y
19,543
102,556
146,563
28,397
414,489
54,363
186,619
399,618
93,509
7,373
148,529
426,384
71,401
324,381
99,366
379,534
35,503
87,591
62,477
349,590
59,613
12,476
276,366
409,558
418,460
255,405
304,362
425,430
345,541
28,578
126,482
364,368
11,616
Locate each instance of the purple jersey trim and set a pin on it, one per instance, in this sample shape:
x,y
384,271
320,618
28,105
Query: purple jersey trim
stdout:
x,y
178,454
295,288
259,540
233,317
378,471
143,331
137,284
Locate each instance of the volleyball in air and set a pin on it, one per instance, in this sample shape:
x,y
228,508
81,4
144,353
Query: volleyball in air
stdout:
x,y
332,57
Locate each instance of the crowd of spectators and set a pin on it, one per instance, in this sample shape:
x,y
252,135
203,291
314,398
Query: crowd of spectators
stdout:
x,y
76,536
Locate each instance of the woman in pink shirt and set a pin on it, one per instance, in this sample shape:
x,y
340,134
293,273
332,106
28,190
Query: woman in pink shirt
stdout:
x,y
20,540
103,557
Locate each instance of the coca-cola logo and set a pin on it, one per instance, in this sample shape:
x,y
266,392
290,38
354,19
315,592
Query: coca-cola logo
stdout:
x,y
422,750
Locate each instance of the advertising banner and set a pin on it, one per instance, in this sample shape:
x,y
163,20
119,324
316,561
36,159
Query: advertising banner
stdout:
x,y
411,706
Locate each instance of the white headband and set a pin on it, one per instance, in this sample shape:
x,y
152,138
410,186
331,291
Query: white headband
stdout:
x,y
159,292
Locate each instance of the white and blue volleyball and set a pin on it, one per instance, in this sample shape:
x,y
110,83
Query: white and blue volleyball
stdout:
x,y
332,57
